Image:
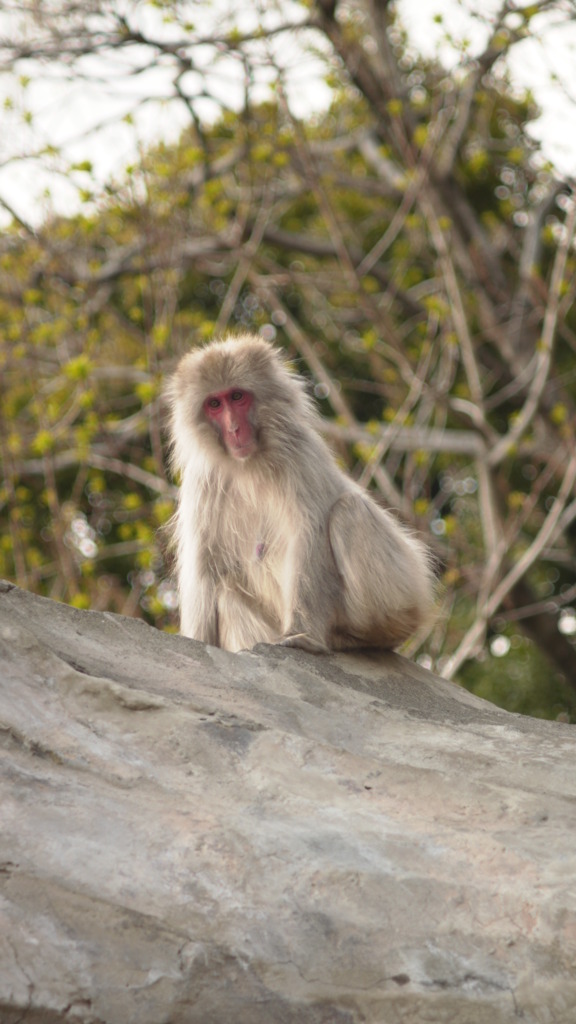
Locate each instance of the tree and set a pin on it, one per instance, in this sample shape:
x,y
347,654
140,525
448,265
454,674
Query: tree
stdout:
x,y
409,247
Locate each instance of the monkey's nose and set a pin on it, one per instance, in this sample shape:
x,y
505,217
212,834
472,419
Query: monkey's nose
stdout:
x,y
231,425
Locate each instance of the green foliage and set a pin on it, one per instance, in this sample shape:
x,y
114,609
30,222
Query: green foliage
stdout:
x,y
521,681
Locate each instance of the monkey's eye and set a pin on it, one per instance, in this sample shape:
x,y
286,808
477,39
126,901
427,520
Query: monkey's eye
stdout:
x,y
237,396
213,403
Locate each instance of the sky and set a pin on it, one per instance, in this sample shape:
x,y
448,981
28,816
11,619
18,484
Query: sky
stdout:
x,y
66,112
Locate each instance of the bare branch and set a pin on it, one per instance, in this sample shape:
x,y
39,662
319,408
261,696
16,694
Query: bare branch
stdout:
x,y
556,520
64,460
247,254
543,357
410,439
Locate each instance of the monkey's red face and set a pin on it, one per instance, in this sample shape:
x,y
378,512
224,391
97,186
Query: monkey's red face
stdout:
x,y
229,413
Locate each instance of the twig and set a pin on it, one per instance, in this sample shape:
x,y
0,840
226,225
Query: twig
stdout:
x,y
556,520
545,348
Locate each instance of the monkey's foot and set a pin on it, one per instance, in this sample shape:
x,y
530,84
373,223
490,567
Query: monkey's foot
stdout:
x,y
305,643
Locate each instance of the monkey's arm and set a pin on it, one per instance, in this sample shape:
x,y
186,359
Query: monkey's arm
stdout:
x,y
313,590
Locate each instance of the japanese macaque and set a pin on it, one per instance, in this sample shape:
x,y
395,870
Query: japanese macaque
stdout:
x,y
274,543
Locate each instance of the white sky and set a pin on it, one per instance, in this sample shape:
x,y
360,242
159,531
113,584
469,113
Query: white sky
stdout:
x,y
65,112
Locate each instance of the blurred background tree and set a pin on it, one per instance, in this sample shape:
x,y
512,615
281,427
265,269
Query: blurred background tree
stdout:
x,y
408,246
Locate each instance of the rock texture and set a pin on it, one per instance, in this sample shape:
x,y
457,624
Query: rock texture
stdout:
x,y
194,837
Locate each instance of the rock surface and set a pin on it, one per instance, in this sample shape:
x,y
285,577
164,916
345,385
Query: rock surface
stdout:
x,y
194,837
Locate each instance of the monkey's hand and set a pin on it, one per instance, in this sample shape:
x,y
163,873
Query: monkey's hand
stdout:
x,y
305,643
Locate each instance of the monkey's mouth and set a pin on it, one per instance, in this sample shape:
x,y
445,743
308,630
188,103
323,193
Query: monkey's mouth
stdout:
x,y
242,451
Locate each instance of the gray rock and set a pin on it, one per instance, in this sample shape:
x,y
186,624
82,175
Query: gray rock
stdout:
x,y
189,836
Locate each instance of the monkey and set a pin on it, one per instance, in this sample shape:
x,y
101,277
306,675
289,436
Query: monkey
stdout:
x,y
274,542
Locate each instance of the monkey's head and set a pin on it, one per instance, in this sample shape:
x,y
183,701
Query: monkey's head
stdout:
x,y
235,401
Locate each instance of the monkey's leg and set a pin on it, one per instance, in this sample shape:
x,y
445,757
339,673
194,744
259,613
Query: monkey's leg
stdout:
x,y
386,578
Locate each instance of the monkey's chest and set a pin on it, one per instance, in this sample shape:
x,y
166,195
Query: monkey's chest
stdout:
x,y
264,555
255,557
252,549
